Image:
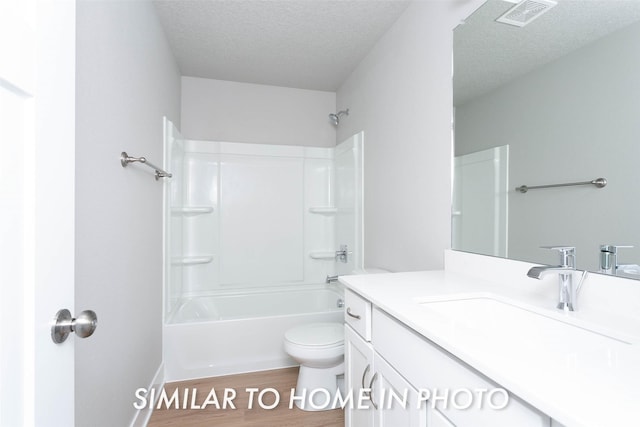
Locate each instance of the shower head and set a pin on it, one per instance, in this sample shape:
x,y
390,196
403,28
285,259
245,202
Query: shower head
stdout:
x,y
335,118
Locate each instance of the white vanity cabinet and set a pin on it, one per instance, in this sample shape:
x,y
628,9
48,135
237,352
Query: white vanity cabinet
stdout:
x,y
396,401
358,365
394,358
386,405
358,359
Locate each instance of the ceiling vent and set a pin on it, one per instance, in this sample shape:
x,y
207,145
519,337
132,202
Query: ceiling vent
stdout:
x,y
525,12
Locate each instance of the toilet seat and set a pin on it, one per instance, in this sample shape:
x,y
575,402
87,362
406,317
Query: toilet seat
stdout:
x,y
316,335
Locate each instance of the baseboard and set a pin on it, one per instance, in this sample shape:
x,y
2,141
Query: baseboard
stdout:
x,y
230,369
143,415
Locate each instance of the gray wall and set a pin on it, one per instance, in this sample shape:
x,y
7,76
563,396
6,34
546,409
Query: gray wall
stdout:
x,y
401,96
218,110
127,80
574,119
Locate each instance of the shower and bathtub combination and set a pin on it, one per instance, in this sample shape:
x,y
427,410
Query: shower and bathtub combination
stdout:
x,y
252,232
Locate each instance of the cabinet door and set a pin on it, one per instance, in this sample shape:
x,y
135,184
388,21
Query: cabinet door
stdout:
x,y
430,367
395,400
358,363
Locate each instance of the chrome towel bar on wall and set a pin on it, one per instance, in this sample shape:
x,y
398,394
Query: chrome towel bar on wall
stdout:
x,y
598,182
125,159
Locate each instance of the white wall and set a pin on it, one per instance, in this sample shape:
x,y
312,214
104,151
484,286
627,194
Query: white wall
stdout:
x,y
127,80
218,110
574,119
401,96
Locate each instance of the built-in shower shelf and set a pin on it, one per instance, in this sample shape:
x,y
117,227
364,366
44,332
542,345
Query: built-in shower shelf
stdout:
x,y
323,255
191,210
326,210
191,260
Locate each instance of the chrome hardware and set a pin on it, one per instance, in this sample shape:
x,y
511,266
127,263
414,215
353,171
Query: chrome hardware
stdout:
x,y
330,279
567,255
84,325
340,303
567,291
598,182
355,316
609,258
125,159
343,254
371,390
335,117
364,374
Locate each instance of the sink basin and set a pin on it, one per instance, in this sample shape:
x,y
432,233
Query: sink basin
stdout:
x,y
495,321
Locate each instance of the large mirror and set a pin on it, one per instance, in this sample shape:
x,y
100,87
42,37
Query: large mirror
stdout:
x,y
555,101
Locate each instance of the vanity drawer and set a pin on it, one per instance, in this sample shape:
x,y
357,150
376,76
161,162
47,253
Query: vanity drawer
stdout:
x,y
426,366
357,314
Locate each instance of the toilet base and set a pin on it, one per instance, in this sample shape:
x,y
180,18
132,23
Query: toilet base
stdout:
x,y
310,394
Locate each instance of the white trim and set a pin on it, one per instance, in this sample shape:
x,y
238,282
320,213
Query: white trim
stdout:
x,y
142,416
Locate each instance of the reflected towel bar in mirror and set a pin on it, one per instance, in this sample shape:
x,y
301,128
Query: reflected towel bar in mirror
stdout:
x,y
125,159
598,182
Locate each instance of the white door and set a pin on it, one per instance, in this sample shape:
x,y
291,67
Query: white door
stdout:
x,y
37,110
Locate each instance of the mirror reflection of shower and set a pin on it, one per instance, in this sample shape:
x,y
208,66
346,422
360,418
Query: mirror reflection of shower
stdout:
x,y
335,118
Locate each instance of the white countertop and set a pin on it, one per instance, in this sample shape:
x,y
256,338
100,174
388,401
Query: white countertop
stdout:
x,y
573,385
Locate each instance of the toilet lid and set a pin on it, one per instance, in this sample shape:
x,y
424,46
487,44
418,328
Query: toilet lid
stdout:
x,y
316,334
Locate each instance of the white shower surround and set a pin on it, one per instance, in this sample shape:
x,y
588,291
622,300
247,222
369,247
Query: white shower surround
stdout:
x,y
246,216
251,233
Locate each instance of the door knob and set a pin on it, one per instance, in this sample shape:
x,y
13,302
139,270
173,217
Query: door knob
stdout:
x,y
84,325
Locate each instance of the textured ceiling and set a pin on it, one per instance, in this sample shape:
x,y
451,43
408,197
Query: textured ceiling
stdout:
x,y
308,44
488,54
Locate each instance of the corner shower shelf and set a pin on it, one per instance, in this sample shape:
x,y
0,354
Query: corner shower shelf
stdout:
x,y
322,255
191,210
326,210
191,260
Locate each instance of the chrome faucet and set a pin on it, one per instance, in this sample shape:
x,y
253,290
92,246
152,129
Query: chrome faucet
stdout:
x,y
567,296
609,258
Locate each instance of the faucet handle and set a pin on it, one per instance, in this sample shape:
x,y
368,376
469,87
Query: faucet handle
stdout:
x,y
567,254
559,248
614,248
609,258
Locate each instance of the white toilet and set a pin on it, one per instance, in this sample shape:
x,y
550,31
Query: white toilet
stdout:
x,y
319,348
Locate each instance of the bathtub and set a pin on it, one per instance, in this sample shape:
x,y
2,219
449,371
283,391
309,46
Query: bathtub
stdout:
x,y
235,333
